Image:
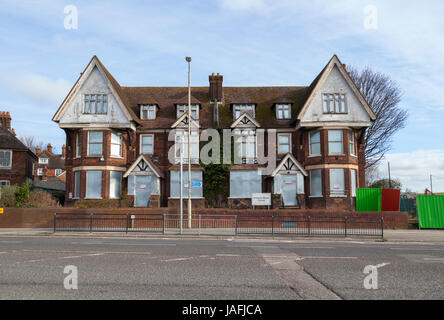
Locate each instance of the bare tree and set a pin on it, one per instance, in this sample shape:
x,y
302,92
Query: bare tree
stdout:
x,y
31,143
383,95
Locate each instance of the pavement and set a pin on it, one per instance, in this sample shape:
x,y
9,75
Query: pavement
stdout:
x,y
111,266
410,235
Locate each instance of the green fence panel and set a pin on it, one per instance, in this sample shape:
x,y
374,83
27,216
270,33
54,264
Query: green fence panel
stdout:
x,y
430,212
368,199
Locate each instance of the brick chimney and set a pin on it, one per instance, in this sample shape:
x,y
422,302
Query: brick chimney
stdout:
x,y
5,119
63,151
49,148
216,87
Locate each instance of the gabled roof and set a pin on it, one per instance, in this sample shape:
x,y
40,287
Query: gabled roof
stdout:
x,y
320,79
182,118
290,157
113,84
150,164
241,118
9,141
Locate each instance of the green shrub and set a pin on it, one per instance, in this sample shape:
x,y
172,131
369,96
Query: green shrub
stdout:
x,y
7,196
22,194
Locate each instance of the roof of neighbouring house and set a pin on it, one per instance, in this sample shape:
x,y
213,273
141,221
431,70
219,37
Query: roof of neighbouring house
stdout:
x,y
53,183
10,141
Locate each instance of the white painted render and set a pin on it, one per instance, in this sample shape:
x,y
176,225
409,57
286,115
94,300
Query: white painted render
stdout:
x,y
356,116
73,115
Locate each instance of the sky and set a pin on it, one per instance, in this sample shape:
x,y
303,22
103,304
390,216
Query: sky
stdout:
x,y
250,42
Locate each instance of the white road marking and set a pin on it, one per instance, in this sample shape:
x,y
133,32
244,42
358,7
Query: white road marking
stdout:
x,y
70,257
433,259
277,262
382,264
10,241
226,255
422,249
125,244
313,257
176,259
2,252
95,254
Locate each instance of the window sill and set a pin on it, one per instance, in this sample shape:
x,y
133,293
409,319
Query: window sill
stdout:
x,y
314,155
93,198
321,196
94,156
338,196
185,197
336,154
5,168
353,155
116,157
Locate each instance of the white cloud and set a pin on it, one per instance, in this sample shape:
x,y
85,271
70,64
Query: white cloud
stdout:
x,y
414,168
38,88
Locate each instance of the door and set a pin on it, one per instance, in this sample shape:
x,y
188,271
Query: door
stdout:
x,y
289,187
143,190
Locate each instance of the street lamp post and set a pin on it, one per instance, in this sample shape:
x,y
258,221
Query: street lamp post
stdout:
x,y
188,59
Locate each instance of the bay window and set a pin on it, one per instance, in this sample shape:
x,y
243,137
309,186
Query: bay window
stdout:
x,y
182,145
244,182
315,143
337,187
116,144
77,184
352,143
95,141
115,182
316,183
335,145
353,182
94,184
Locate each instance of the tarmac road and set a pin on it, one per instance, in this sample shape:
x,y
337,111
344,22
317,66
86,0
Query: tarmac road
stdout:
x,y
172,268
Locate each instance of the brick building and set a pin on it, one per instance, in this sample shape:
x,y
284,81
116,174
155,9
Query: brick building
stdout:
x,y
118,139
50,169
16,160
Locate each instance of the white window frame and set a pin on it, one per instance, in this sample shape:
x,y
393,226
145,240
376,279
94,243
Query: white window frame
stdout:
x,y
183,108
181,137
120,155
353,184
90,154
110,185
312,195
289,143
141,143
76,184
245,141
334,103
43,160
39,172
241,108
336,141
352,143
145,111
341,192
58,172
99,100
281,110
4,183
10,159
310,152
86,184
78,143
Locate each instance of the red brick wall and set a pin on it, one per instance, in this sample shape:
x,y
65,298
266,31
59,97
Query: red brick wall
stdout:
x,y
21,168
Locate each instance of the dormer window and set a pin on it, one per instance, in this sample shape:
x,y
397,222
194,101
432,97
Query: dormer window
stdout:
x,y
182,108
334,103
239,109
96,104
147,112
283,111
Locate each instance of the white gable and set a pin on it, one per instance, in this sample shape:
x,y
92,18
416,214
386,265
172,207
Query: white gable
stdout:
x,y
93,82
335,82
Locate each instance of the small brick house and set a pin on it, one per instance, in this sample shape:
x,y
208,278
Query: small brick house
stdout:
x,y
16,160
50,170
126,139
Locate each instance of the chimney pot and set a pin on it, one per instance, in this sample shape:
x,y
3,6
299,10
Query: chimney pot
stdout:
x,y
216,87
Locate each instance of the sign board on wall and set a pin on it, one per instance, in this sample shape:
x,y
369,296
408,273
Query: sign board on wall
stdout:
x,y
261,199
